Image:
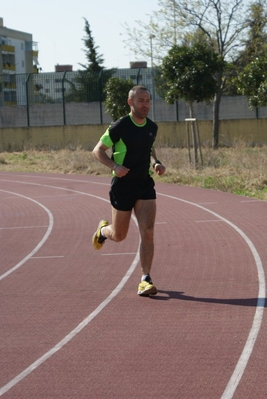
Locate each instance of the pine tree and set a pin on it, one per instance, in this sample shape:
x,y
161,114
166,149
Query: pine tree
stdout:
x,y
95,61
89,82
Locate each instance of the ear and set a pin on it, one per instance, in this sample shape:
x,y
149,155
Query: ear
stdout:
x,y
130,102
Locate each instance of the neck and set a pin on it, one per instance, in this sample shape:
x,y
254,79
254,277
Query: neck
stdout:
x,y
137,120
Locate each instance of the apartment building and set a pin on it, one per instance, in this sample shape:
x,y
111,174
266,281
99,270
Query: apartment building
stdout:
x,y
18,55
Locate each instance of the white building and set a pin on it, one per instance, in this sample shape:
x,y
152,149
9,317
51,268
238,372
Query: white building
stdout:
x,y
18,55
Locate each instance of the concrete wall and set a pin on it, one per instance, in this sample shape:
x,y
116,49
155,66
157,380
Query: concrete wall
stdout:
x,y
50,137
171,134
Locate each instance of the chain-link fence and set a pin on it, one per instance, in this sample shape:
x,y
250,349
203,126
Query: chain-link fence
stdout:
x,y
70,98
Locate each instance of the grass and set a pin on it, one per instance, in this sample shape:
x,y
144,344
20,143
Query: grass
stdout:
x,y
239,170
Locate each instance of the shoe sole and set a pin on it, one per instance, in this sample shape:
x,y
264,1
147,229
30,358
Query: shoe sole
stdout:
x,y
151,291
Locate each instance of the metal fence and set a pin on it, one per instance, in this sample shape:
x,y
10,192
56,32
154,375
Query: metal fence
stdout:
x,y
70,98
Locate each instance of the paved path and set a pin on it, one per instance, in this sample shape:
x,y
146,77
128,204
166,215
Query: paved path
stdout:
x,y
72,325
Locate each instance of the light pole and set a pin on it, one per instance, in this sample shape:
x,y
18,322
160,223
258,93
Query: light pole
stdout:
x,y
151,37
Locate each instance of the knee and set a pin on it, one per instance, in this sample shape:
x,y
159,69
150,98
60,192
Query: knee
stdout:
x,y
118,237
148,234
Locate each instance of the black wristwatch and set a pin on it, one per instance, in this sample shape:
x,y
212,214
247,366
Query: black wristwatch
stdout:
x,y
155,163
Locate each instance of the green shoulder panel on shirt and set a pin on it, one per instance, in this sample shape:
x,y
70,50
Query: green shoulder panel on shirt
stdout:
x,y
119,148
106,140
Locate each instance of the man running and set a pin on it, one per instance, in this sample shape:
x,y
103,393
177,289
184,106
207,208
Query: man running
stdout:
x,y
132,187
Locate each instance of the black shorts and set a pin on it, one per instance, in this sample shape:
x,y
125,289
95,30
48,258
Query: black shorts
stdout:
x,y
125,192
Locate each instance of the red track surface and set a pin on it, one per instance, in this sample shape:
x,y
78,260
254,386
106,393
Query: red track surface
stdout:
x,y
72,325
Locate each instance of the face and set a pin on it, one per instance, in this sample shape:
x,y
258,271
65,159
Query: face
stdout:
x,y
140,104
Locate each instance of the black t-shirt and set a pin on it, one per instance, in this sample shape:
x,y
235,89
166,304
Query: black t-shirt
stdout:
x,y
131,144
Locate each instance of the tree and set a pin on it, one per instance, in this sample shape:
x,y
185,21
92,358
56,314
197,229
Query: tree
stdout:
x,y
95,61
88,83
252,82
116,91
256,41
222,22
164,26
189,40
190,74
255,46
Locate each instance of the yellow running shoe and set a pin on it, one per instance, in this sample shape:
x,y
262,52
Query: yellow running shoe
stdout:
x,y
146,287
98,240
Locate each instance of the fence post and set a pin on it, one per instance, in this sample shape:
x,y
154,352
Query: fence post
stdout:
x,y
177,110
27,100
138,75
100,95
63,98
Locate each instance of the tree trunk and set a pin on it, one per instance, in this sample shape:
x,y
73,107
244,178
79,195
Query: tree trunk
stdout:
x,y
215,133
191,110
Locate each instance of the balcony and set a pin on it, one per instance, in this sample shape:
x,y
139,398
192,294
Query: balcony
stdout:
x,y
7,48
10,86
7,66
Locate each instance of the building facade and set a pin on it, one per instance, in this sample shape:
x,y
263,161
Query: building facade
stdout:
x,y
18,55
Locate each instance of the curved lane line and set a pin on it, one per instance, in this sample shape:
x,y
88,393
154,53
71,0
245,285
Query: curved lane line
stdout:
x,y
243,360
74,332
40,244
85,322
252,337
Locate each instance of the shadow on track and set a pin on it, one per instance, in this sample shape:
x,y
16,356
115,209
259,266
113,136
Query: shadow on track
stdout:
x,y
168,295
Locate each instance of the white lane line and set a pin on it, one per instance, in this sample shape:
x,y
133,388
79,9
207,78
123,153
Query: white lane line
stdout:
x,y
22,227
51,221
44,196
258,316
77,329
85,322
40,244
57,178
48,257
119,253
207,203
243,360
249,201
208,221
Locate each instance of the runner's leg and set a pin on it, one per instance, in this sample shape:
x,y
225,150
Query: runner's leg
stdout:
x,y
145,211
118,229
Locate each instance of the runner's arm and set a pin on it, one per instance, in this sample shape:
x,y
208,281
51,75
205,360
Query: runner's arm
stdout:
x,y
100,154
156,164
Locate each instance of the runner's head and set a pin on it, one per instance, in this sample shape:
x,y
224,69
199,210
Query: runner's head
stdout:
x,y
139,102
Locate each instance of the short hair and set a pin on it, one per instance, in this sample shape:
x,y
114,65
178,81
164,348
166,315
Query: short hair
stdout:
x,y
135,89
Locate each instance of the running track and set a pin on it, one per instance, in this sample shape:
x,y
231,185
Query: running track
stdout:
x,y
72,325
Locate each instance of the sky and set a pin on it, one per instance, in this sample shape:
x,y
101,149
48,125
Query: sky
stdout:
x,y
58,28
